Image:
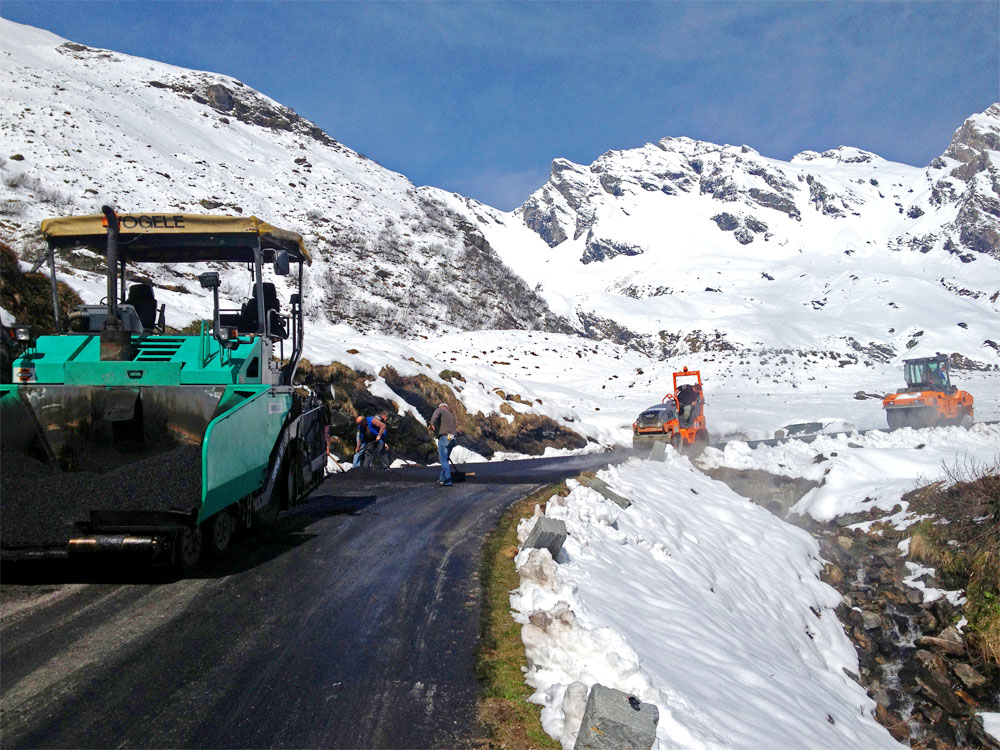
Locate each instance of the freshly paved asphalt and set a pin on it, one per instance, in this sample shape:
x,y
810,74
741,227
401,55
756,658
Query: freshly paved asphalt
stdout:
x,y
352,624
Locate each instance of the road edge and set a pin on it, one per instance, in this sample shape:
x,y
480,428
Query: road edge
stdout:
x,y
506,717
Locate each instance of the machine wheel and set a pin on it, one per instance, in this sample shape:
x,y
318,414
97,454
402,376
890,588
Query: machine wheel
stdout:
x,y
188,553
915,417
642,448
700,443
219,532
895,419
290,488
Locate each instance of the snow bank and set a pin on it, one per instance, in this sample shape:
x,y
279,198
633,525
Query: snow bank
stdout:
x,y
695,600
861,472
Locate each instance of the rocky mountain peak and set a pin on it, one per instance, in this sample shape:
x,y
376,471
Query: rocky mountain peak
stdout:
x,y
977,146
965,183
686,229
840,155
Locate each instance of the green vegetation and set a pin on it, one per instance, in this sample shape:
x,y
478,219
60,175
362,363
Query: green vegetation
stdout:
x,y
964,550
504,710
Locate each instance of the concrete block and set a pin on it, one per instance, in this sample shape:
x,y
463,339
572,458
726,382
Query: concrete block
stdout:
x,y
547,533
614,720
659,452
602,487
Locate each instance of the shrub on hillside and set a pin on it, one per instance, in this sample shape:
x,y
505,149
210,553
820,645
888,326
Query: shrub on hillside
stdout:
x,y
28,296
962,544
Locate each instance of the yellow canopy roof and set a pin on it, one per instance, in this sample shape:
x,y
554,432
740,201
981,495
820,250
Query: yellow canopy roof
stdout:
x,y
88,229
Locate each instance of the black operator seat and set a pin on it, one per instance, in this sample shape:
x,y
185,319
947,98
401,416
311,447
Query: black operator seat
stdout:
x,y
141,297
272,309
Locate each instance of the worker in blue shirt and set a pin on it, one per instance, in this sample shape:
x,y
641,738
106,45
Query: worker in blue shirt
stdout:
x,y
370,438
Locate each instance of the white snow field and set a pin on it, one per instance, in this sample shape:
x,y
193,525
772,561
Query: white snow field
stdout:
x,y
706,605
598,388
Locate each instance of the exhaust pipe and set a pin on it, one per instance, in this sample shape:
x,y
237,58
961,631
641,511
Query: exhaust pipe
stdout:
x,y
116,344
111,218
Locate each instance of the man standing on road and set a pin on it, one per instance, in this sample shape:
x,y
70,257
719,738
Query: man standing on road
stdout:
x,y
444,426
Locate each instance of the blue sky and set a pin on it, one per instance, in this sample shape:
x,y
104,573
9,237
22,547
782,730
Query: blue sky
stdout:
x,y
479,97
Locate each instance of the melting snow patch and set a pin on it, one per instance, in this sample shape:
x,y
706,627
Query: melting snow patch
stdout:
x,y
917,572
991,723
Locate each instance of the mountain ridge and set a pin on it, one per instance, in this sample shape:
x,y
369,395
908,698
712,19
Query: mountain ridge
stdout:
x,y
86,126
663,222
671,248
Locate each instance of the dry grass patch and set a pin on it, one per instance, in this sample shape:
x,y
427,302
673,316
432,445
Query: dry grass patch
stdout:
x,y
28,296
510,721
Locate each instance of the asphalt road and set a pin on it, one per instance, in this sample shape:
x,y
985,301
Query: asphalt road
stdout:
x,y
352,624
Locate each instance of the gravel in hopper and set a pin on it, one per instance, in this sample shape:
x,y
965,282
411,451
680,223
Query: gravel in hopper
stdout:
x,y
40,504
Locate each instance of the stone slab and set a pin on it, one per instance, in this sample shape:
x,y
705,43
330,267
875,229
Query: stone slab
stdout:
x,y
600,486
614,720
941,645
547,533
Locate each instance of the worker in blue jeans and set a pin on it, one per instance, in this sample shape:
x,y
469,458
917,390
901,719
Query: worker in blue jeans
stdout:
x,y
370,438
443,425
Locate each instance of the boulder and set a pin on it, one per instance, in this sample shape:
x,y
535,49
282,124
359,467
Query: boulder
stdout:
x,y
938,690
547,533
951,633
969,676
871,620
941,645
932,677
614,720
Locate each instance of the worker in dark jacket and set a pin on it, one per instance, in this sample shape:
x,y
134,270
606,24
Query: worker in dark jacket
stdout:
x,y
443,425
687,401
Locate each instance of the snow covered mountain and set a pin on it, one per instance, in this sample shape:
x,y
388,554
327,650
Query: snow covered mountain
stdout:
x,y
684,246
81,127
670,249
